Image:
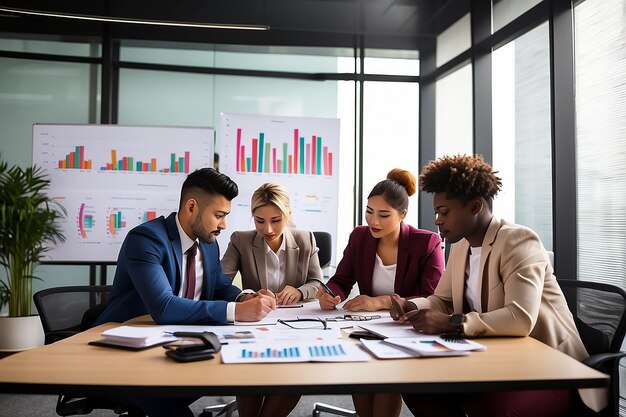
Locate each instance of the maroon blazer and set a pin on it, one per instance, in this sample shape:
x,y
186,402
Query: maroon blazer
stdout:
x,y
418,269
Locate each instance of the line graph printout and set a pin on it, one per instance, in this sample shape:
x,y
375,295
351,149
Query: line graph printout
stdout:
x,y
299,153
111,178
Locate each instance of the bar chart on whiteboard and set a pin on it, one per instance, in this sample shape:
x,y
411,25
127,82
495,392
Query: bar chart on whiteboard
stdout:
x,y
111,178
299,153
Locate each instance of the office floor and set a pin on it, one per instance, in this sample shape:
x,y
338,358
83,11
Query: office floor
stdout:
x,y
43,405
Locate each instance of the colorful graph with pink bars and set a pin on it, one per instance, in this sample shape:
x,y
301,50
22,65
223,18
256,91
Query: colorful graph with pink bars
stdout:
x,y
307,156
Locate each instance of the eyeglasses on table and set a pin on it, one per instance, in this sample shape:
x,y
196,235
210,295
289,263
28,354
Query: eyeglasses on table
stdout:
x,y
353,317
312,323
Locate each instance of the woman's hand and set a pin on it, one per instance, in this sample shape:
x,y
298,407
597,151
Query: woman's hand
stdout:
x,y
367,303
288,295
327,302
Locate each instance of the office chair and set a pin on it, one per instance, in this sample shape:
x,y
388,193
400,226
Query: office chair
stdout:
x,y
227,410
324,242
64,312
599,312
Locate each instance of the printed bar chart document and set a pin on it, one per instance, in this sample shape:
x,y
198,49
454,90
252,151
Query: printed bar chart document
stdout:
x,y
294,352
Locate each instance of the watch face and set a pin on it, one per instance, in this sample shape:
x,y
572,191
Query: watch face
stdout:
x,y
456,320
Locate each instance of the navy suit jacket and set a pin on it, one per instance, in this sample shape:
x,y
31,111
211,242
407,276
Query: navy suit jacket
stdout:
x,y
148,277
419,265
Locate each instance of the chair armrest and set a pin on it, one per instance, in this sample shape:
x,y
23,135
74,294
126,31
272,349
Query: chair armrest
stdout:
x,y
595,361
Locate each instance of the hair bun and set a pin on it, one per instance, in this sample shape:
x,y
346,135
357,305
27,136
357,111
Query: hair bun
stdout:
x,y
404,178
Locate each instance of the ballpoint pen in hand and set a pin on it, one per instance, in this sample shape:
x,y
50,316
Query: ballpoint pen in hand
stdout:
x,y
327,289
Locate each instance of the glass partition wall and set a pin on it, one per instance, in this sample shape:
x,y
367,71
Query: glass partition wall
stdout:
x,y
177,84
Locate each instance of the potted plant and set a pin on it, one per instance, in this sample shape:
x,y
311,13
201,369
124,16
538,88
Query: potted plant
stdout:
x,y
28,226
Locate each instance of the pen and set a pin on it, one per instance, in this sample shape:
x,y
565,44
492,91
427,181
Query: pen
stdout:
x,y
289,305
328,290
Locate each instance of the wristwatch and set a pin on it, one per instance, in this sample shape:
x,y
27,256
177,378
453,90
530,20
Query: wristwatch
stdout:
x,y
456,321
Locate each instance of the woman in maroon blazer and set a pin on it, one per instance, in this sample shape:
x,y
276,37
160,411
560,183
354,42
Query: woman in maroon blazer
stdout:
x,y
385,257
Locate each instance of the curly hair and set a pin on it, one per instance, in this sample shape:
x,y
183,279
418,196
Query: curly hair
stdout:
x,y
461,176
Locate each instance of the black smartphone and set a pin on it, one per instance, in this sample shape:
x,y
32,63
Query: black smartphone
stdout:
x,y
364,334
191,348
198,355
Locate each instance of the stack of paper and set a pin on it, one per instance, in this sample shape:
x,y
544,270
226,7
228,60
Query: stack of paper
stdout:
x,y
422,346
402,341
135,337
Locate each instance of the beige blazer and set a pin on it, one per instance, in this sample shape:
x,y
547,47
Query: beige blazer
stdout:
x,y
519,294
246,253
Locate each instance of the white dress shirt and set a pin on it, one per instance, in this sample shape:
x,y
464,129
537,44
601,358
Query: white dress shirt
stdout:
x,y
275,267
186,243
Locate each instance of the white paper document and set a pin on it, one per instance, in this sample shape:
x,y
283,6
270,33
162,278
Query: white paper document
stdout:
x,y
317,351
387,327
383,350
311,310
424,346
136,336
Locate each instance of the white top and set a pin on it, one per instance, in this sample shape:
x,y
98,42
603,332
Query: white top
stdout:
x,y
472,291
383,278
275,266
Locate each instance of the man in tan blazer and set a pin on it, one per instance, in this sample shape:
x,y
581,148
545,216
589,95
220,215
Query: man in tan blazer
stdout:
x,y
498,281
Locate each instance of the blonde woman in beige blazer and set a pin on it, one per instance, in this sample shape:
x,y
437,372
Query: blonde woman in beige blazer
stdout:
x,y
278,258
498,281
247,253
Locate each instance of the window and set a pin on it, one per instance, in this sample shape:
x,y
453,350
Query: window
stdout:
x,y
600,56
454,117
454,40
522,132
505,11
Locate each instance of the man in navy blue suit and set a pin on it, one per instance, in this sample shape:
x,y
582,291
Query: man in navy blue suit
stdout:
x,y
152,275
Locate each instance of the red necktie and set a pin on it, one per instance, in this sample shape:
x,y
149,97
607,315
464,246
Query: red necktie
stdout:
x,y
191,271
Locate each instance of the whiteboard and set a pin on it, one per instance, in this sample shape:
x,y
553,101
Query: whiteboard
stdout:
x,y
111,178
299,153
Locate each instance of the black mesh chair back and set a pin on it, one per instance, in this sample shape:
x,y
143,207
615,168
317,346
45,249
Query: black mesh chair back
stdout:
x,y
324,242
65,311
599,312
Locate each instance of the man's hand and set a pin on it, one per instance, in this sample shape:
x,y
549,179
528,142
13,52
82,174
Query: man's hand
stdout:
x,y
430,321
326,301
288,295
399,307
366,303
255,307
262,291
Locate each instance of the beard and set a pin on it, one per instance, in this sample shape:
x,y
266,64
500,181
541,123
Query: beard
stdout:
x,y
198,229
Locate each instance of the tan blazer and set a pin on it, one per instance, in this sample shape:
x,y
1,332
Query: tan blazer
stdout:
x,y
246,253
519,294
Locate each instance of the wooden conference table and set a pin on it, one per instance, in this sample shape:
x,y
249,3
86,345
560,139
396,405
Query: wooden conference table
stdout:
x,y
73,367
